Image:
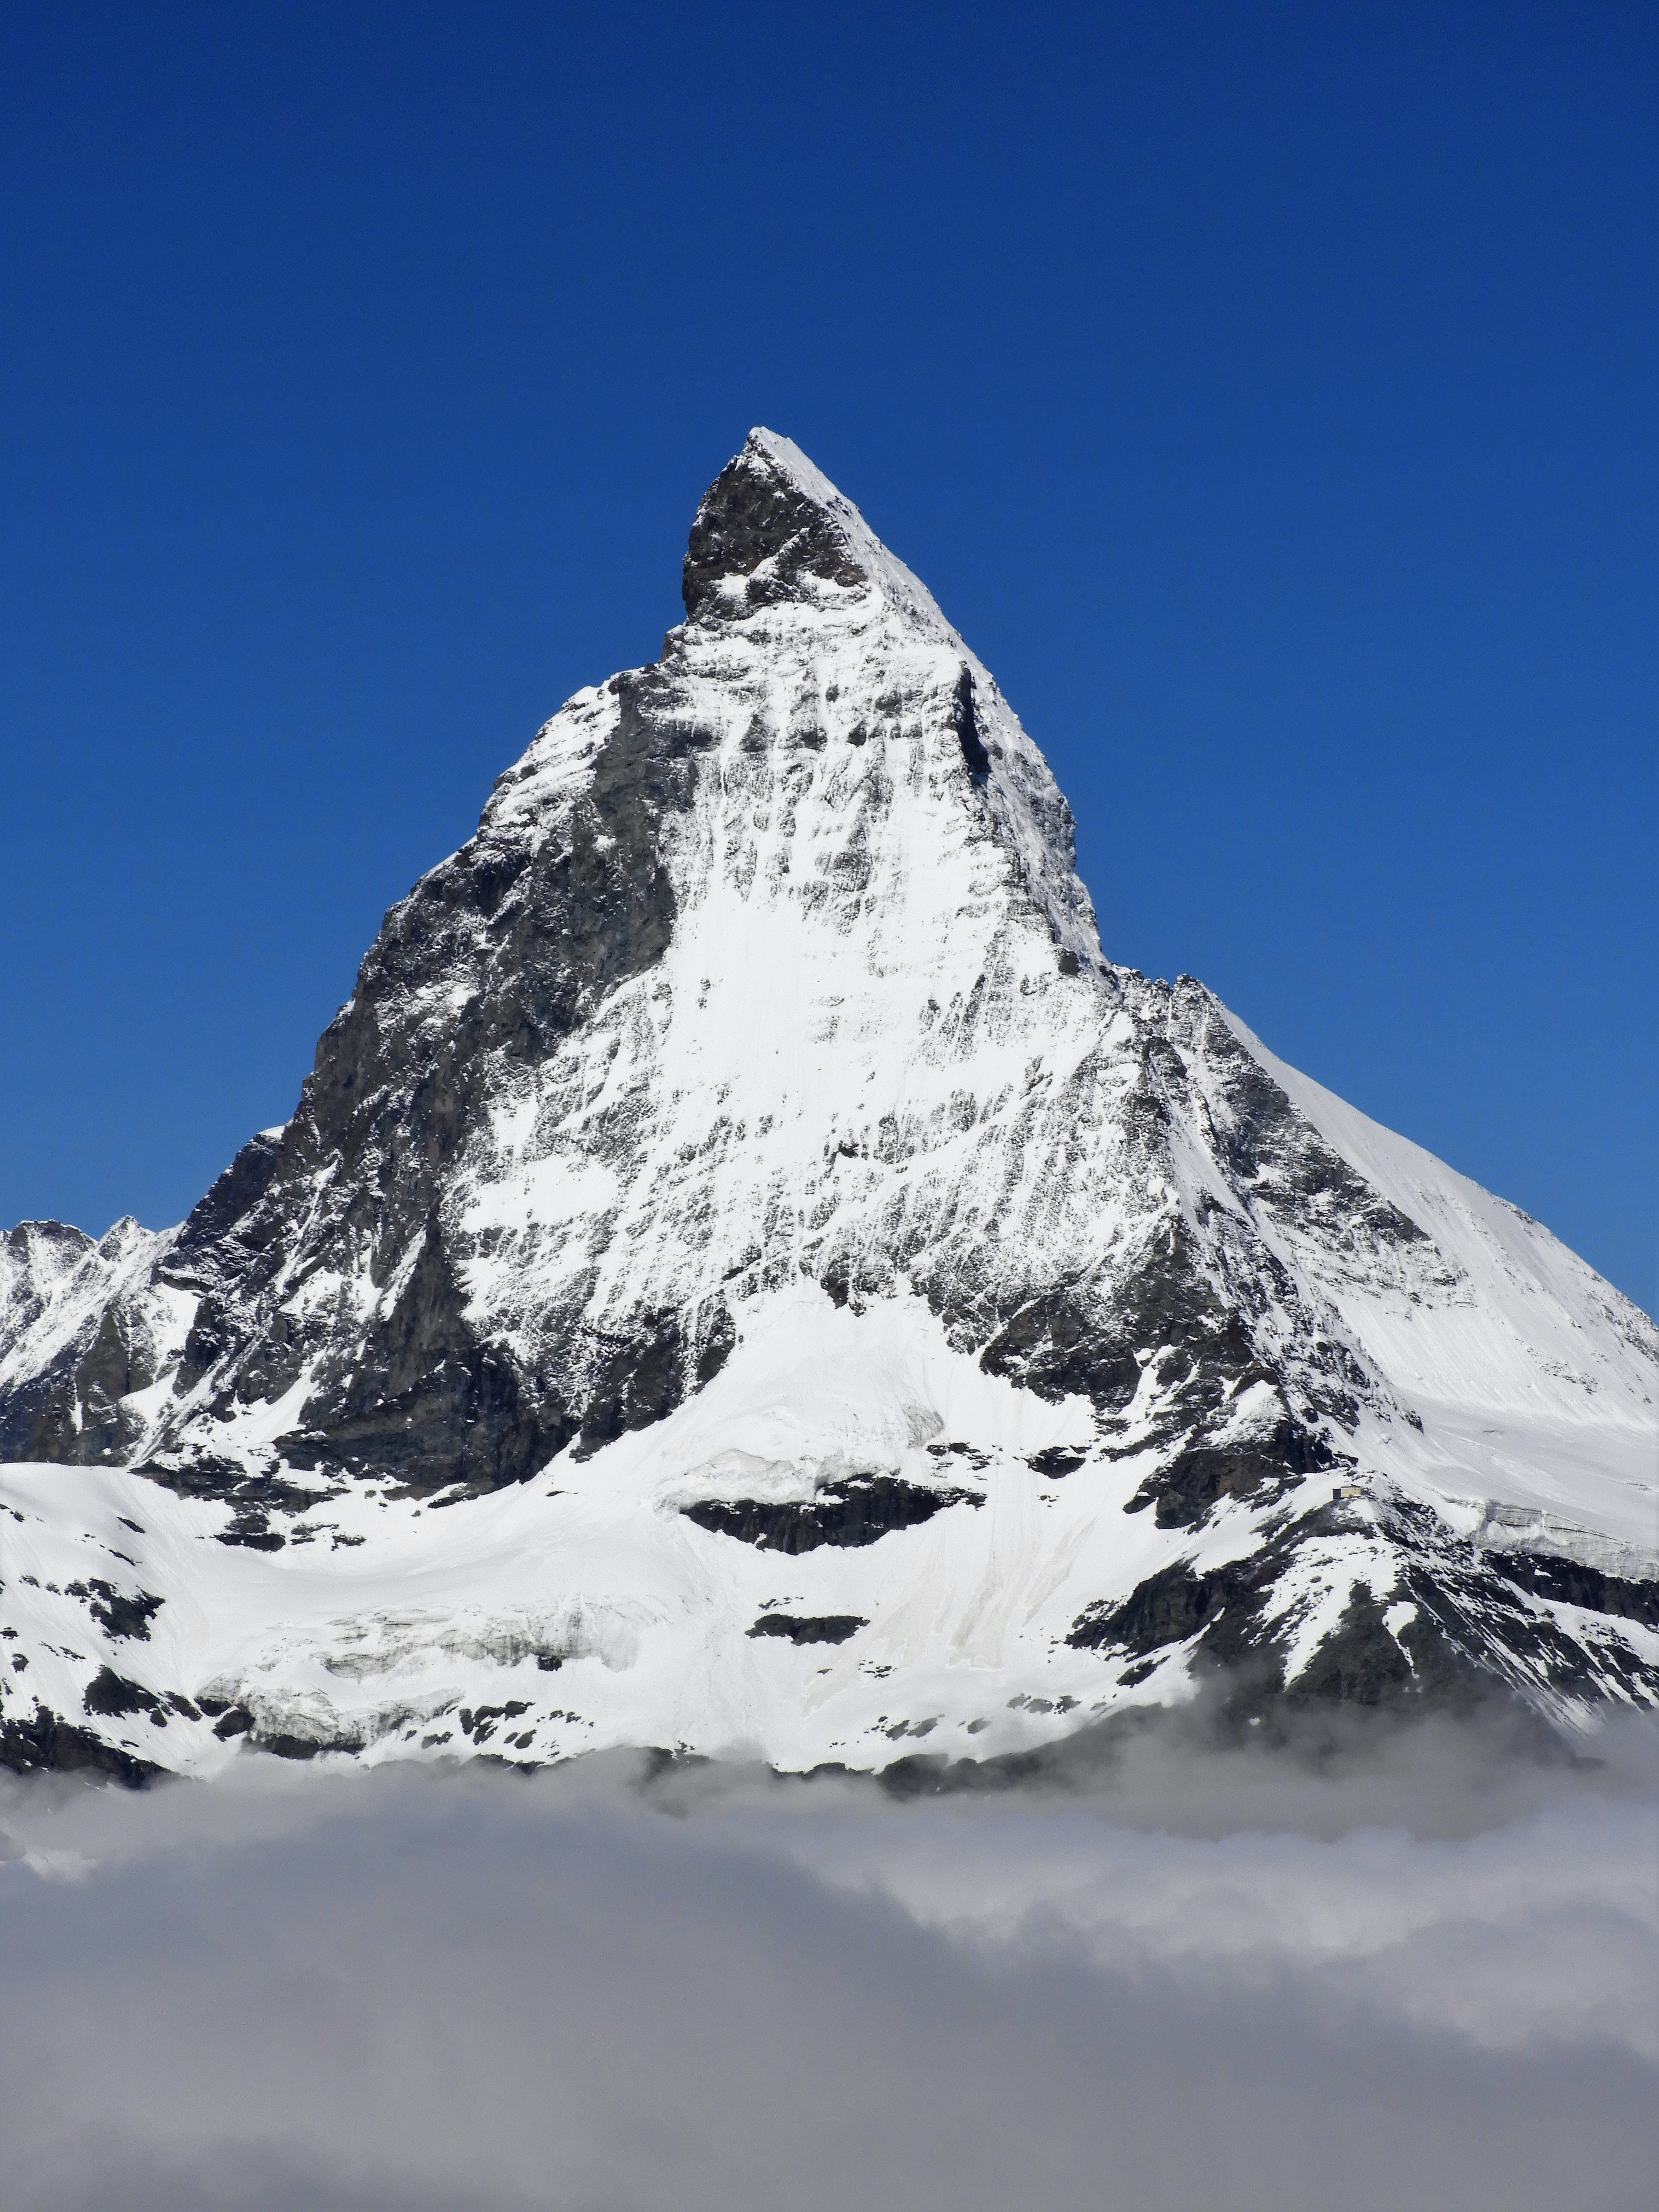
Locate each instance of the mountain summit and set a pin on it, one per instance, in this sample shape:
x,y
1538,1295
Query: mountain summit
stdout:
x,y
744,1249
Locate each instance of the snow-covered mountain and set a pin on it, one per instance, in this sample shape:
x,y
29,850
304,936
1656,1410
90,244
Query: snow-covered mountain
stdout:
x,y
746,1271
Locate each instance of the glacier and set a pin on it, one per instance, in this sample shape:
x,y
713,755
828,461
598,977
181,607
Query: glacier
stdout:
x,y
747,1274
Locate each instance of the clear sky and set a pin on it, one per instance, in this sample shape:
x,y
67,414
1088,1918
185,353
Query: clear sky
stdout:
x,y
1270,394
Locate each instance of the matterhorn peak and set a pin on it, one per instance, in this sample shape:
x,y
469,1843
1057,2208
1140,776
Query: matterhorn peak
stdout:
x,y
773,528
744,1251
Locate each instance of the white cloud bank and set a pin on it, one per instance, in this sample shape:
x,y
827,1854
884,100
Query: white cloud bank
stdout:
x,y
1419,1969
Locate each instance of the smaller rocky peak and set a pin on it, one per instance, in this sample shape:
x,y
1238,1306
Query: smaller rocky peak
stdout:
x,y
125,1237
36,1259
35,1241
773,528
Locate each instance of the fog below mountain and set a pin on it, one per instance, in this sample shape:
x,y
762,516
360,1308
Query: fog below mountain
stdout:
x,y
1386,1965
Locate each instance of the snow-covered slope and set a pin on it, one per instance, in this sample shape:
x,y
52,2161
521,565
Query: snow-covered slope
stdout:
x,y
745,1269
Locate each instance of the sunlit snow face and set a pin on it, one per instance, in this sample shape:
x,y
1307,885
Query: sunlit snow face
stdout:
x,y
861,1027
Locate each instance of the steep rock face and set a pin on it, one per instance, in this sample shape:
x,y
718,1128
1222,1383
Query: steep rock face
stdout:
x,y
767,978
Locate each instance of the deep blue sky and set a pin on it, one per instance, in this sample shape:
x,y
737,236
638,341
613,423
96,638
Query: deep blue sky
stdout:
x,y
1270,394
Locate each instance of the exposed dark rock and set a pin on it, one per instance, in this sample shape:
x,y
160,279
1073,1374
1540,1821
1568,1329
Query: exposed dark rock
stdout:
x,y
1091,1338
479,1722
751,515
817,1628
203,1475
1472,1625
1359,1662
965,723
117,1616
642,1377
254,1533
229,1201
111,1694
292,1746
1572,1583
1195,1480
1169,1607
46,1744
71,1412
1281,1159
1472,1629
1059,1461
857,1512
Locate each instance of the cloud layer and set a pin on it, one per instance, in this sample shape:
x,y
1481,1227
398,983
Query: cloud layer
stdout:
x,y
1417,1969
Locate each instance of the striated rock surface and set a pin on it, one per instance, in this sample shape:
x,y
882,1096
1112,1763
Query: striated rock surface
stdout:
x,y
739,1188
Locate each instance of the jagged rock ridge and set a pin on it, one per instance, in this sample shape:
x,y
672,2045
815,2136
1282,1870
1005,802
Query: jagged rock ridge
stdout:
x,y
765,1009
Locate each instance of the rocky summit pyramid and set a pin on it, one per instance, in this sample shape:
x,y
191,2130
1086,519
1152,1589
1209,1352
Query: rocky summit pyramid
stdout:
x,y
746,1272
